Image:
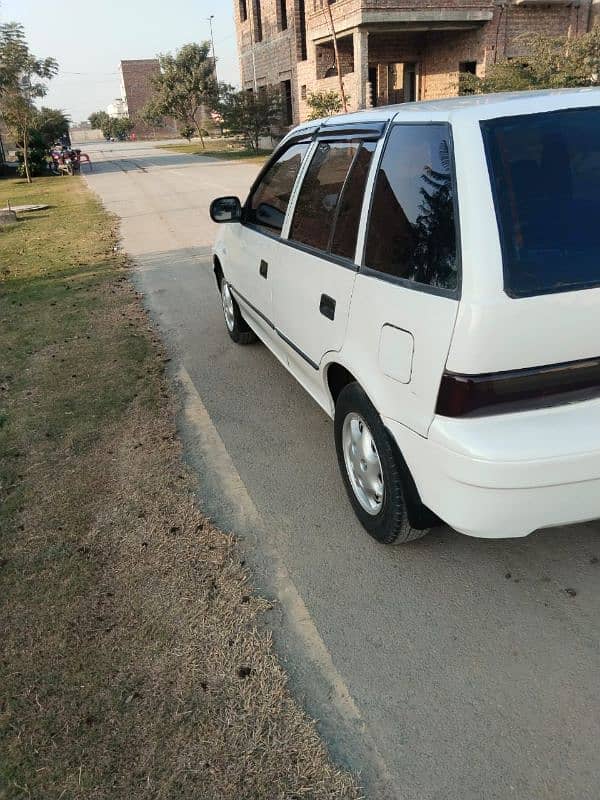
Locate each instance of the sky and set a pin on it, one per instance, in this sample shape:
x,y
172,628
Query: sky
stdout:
x,y
89,39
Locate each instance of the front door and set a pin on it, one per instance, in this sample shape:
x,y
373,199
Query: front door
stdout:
x,y
252,256
315,276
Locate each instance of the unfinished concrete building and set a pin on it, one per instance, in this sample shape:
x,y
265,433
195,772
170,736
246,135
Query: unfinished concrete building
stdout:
x,y
390,51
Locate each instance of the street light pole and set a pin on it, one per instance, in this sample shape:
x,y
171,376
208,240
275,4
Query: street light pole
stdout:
x,y
212,40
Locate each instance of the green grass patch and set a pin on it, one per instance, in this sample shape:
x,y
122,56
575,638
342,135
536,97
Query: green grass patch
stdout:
x,y
224,149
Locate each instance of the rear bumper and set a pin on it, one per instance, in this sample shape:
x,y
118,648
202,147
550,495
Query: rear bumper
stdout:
x,y
508,475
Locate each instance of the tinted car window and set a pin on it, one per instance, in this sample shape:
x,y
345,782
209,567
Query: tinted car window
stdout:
x,y
545,173
316,209
343,241
266,207
412,232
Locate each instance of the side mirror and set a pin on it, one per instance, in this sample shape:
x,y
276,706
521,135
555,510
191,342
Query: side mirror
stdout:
x,y
226,209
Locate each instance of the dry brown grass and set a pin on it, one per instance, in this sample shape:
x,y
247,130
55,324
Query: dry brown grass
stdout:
x,y
133,661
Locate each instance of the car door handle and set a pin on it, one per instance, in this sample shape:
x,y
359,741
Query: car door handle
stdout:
x,y
264,268
327,306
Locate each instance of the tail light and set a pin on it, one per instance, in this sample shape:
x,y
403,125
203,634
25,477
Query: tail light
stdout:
x,y
460,395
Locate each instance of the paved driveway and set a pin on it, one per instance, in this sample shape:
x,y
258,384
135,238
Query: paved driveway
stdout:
x,y
450,669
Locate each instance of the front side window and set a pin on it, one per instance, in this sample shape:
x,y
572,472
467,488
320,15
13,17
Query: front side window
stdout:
x,y
330,200
545,174
412,231
268,203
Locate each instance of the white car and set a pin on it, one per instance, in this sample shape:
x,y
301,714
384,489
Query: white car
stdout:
x,y
430,273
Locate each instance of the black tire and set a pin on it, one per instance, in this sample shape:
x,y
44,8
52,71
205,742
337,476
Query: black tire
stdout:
x,y
236,325
392,523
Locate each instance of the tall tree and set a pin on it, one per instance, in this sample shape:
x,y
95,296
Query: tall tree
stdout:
x,y
23,79
185,84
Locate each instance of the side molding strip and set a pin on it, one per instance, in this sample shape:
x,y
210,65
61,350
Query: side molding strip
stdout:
x,y
291,344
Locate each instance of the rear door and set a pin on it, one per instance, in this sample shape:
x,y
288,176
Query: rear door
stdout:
x,y
316,273
405,298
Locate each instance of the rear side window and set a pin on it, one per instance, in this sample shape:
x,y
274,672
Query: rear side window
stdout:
x,y
412,231
329,204
267,205
545,174
343,240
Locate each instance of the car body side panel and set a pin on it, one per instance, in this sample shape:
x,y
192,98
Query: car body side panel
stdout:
x,y
429,318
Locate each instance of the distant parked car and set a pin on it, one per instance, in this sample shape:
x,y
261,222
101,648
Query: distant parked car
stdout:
x,y
430,273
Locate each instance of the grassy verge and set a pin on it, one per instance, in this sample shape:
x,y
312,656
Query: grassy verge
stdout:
x,y
133,663
219,149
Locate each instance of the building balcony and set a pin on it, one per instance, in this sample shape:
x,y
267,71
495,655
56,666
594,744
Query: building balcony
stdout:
x,y
364,14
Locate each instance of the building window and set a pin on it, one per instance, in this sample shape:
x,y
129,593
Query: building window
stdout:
x,y
301,30
411,234
325,62
243,10
286,102
258,31
282,14
303,91
468,66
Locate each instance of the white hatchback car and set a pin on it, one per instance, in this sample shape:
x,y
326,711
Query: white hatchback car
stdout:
x,y
430,273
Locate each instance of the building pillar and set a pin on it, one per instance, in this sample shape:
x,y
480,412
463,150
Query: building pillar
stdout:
x,y
360,38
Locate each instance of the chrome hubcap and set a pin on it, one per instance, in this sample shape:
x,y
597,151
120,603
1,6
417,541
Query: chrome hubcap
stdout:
x,y
362,463
228,305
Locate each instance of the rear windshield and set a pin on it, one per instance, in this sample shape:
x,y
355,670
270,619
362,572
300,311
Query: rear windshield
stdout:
x,y
545,173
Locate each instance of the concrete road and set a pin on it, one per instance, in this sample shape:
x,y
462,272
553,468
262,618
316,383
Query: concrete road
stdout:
x,y
449,669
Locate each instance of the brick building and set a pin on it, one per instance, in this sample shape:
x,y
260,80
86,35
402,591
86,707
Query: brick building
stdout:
x,y
136,91
390,51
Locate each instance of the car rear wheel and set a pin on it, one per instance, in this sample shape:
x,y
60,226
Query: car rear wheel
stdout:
x,y
372,469
237,327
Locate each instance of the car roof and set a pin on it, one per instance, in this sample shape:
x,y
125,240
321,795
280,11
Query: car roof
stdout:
x,y
484,106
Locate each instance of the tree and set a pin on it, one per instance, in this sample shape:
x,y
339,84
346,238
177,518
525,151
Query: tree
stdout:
x,y
551,63
185,84
250,114
323,104
111,127
152,117
120,127
187,131
22,82
100,121
50,125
